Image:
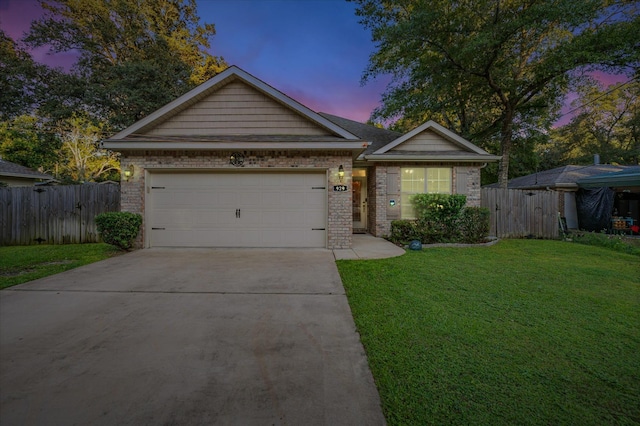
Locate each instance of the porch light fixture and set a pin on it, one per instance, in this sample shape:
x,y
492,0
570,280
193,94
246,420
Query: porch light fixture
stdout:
x,y
236,159
341,173
128,172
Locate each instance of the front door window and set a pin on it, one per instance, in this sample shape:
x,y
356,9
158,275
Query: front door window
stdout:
x,y
359,203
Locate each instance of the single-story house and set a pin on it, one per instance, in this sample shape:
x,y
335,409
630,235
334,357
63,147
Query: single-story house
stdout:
x,y
12,174
237,163
618,194
563,180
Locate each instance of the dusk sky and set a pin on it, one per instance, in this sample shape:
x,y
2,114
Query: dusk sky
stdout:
x,y
312,50
315,51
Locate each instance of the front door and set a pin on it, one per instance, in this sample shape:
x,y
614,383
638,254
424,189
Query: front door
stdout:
x,y
359,198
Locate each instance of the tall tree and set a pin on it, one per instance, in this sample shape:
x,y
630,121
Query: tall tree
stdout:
x,y
81,158
607,123
134,56
18,79
489,68
26,141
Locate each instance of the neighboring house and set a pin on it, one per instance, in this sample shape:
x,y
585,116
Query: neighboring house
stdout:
x,y
12,174
563,180
236,163
622,190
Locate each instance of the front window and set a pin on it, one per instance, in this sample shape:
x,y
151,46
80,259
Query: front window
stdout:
x,y
422,180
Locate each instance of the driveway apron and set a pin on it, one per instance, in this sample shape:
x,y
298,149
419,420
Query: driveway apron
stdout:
x,y
186,336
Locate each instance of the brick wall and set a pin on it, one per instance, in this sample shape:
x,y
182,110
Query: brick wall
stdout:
x,y
379,223
339,221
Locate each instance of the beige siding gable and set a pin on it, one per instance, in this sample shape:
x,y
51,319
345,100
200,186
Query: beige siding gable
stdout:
x,y
428,141
237,109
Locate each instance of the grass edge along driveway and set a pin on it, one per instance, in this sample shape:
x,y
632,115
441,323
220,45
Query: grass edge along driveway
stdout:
x,y
523,332
19,264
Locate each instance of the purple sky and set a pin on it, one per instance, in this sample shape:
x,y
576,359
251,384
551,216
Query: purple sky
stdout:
x,y
312,50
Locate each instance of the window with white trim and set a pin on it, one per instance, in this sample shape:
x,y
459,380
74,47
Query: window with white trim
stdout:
x,y
422,180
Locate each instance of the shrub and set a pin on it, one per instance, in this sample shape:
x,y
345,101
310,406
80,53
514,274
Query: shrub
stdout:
x,y
473,224
438,207
442,218
403,231
119,228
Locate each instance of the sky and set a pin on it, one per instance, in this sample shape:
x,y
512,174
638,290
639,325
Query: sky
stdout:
x,y
314,51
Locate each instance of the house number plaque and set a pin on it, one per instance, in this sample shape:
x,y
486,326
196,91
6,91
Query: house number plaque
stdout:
x,y
340,188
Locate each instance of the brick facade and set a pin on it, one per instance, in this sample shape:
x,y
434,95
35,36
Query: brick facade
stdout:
x,y
381,213
339,220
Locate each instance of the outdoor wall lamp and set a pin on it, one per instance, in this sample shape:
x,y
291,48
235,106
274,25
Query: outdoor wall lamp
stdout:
x,y
341,173
128,172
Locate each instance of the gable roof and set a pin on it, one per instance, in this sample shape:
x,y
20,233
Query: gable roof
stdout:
x,y
559,177
442,131
383,141
9,169
132,137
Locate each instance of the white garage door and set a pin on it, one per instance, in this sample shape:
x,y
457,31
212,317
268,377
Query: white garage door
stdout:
x,y
237,209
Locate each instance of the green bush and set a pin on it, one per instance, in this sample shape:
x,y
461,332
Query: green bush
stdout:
x,y
403,231
438,207
473,224
442,218
119,228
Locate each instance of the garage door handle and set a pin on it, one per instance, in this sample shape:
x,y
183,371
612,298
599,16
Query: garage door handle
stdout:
x,y
237,213
318,229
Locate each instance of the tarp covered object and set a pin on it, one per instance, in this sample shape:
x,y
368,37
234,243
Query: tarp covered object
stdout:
x,y
594,208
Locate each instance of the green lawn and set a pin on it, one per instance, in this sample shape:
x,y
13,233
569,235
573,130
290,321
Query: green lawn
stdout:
x,y
523,332
19,264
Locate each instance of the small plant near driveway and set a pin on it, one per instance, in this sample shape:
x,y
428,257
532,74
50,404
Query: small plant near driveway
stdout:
x,y
119,228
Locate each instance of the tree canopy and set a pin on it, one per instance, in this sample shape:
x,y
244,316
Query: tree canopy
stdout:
x,y
492,70
133,56
607,123
18,78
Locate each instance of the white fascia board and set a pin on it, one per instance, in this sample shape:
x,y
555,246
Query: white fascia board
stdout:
x,y
450,158
247,78
441,130
218,146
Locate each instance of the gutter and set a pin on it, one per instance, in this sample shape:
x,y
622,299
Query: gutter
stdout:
x,y
452,158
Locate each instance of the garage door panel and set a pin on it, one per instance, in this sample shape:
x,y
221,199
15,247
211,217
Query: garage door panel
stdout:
x,y
269,209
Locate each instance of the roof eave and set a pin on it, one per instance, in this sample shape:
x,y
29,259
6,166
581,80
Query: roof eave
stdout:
x,y
432,158
356,147
26,176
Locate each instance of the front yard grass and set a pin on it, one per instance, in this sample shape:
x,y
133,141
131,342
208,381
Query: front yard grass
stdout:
x,y
523,332
19,264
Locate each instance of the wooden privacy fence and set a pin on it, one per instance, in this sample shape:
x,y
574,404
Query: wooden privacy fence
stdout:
x,y
54,214
519,213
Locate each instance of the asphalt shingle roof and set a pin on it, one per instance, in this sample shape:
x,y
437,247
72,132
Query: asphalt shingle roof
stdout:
x,y
565,175
378,137
7,168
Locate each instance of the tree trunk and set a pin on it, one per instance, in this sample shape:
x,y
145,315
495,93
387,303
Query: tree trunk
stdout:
x,y
506,134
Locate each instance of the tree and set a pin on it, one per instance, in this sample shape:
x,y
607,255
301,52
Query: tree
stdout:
x,y
491,68
134,56
24,140
81,158
18,78
607,124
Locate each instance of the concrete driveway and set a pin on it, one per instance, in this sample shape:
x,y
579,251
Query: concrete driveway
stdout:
x,y
186,337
